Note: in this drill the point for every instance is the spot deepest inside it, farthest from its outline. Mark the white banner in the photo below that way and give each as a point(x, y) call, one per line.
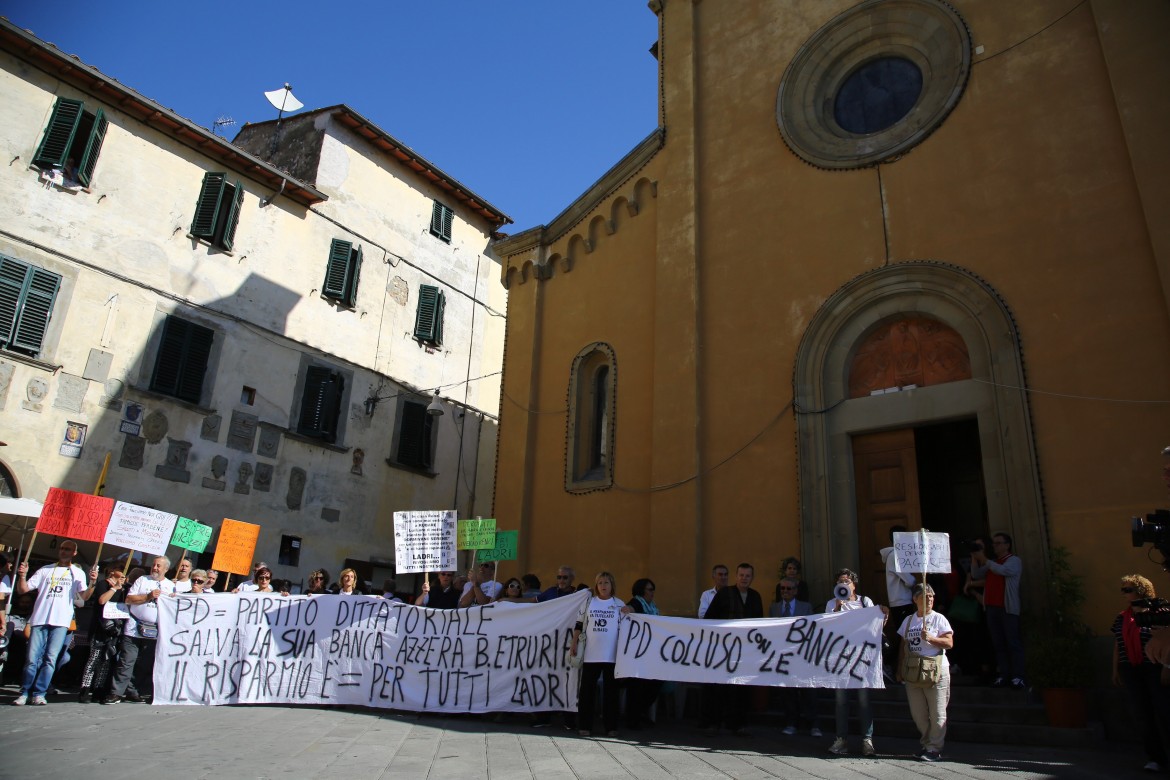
point(140, 528)
point(362, 650)
point(425, 541)
point(919, 552)
point(836, 650)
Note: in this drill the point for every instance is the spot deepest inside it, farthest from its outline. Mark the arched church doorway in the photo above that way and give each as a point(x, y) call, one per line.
point(911, 410)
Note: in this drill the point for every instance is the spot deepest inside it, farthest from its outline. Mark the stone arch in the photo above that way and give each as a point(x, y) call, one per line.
point(527, 271)
point(827, 418)
point(599, 226)
point(511, 276)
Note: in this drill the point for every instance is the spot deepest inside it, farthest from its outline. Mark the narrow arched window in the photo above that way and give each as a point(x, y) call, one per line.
point(589, 454)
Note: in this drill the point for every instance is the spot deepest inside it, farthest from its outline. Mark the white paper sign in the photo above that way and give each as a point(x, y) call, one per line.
point(361, 650)
point(140, 528)
point(919, 552)
point(835, 650)
point(116, 610)
point(425, 541)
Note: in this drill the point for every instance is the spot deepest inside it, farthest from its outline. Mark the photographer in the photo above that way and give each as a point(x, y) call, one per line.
point(1137, 674)
point(1001, 600)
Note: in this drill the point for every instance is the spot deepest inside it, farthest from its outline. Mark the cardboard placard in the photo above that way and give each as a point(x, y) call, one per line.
point(140, 528)
point(191, 535)
point(425, 541)
point(477, 534)
point(73, 515)
point(236, 546)
point(922, 552)
point(505, 549)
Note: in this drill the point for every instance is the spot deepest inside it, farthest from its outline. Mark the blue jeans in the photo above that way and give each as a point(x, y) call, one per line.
point(864, 713)
point(44, 646)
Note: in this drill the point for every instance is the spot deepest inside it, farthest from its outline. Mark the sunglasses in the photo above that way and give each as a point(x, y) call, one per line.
point(264, 577)
point(563, 577)
point(788, 589)
point(198, 582)
point(1128, 590)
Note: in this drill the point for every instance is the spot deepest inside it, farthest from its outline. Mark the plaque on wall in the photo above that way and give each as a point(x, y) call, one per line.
point(242, 431)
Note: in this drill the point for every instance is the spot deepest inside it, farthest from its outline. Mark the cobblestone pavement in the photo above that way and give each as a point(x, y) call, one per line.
point(135, 740)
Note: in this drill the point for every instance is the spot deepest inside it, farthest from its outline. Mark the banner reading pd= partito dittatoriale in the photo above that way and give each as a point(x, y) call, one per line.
point(836, 650)
point(361, 650)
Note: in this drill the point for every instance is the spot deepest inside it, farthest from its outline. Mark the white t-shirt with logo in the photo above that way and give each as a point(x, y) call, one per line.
point(490, 589)
point(911, 631)
point(148, 612)
point(601, 628)
point(56, 587)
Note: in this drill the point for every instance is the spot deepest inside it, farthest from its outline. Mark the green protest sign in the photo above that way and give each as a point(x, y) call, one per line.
point(477, 534)
point(505, 549)
point(191, 535)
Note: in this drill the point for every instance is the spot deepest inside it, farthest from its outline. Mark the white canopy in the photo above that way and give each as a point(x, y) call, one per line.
point(21, 507)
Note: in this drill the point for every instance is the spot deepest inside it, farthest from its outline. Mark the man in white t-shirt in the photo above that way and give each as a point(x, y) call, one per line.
point(481, 585)
point(719, 575)
point(183, 576)
point(59, 588)
point(138, 640)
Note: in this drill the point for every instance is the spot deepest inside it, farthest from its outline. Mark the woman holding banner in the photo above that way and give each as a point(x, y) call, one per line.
point(598, 622)
point(641, 694)
point(347, 584)
point(845, 598)
point(922, 666)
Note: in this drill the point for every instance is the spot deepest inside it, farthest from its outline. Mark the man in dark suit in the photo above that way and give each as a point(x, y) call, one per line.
point(728, 704)
point(799, 703)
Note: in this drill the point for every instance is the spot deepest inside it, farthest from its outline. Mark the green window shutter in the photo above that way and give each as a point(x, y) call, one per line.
point(441, 217)
point(414, 436)
point(425, 319)
point(93, 147)
point(439, 316)
point(207, 207)
point(183, 354)
point(338, 270)
point(12, 281)
point(33, 319)
point(321, 403)
point(228, 237)
point(354, 277)
point(58, 137)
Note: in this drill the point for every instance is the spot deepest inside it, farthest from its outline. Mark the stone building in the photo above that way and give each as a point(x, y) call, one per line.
point(253, 330)
point(891, 261)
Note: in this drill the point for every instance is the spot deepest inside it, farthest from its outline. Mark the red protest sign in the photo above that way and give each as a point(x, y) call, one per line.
point(73, 515)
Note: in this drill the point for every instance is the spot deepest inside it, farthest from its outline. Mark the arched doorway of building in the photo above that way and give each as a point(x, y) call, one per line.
point(956, 445)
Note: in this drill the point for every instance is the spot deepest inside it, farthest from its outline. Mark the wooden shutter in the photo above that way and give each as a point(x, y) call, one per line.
point(354, 277)
point(181, 364)
point(59, 133)
point(228, 237)
point(440, 313)
point(321, 403)
point(12, 279)
point(338, 270)
point(414, 436)
point(428, 311)
point(93, 147)
point(441, 217)
point(448, 215)
point(207, 207)
point(33, 318)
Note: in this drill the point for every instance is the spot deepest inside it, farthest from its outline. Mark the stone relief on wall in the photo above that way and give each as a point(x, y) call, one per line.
point(70, 392)
point(133, 450)
point(209, 430)
point(219, 466)
point(175, 467)
point(269, 440)
point(359, 457)
point(155, 427)
point(7, 371)
point(296, 488)
point(263, 481)
point(242, 431)
point(35, 391)
point(243, 475)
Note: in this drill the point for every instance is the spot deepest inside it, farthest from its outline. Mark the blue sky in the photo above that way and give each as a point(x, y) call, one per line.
point(527, 102)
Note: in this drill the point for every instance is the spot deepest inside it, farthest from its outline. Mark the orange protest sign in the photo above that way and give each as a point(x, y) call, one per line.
point(75, 515)
point(236, 546)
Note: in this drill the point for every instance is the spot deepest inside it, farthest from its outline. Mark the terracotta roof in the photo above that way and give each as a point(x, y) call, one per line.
point(71, 70)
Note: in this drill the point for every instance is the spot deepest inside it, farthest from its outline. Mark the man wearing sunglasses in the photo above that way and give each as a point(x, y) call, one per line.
point(564, 586)
point(481, 585)
point(444, 596)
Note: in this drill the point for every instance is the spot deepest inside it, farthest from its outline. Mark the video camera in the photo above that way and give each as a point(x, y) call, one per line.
point(1151, 612)
point(1153, 529)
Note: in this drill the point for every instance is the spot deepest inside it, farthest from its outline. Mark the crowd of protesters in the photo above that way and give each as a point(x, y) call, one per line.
point(121, 629)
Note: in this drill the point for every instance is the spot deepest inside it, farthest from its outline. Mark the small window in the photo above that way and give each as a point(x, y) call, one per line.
point(589, 464)
point(290, 551)
point(218, 210)
point(27, 294)
point(441, 217)
point(181, 364)
point(342, 272)
point(321, 403)
point(416, 432)
point(72, 141)
point(428, 320)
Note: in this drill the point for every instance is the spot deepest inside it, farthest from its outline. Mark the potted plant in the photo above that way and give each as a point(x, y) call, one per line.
point(1059, 646)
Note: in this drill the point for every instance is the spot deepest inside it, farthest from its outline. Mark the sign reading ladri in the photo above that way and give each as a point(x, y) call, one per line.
point(504, 549)
point(360, 650)
point(425, 541)
point(837, 650)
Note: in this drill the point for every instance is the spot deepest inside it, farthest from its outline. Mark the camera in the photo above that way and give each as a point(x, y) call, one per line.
point(974, 546)
point(841, 592)
point(1151, 612)
point(1152, 529)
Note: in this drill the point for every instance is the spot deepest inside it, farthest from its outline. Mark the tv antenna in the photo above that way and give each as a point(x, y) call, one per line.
point(223, 121)
point(282, 100)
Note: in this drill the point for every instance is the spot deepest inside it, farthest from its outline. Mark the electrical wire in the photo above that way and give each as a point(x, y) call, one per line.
point(1033, 35)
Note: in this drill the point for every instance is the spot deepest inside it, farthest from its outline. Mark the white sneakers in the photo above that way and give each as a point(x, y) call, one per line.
point(815, 732)
point(788, 731)
point(839, 748)
point(21, 700)
point(38, 700)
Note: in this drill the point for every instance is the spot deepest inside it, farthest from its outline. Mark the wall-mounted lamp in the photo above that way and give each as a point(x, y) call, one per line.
point(371, 404)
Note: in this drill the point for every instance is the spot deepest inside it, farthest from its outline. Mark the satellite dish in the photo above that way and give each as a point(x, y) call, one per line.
point(282, 99)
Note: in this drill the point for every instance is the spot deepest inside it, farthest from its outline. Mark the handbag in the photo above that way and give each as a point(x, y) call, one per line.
point(575, 661)
point(921, 671)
